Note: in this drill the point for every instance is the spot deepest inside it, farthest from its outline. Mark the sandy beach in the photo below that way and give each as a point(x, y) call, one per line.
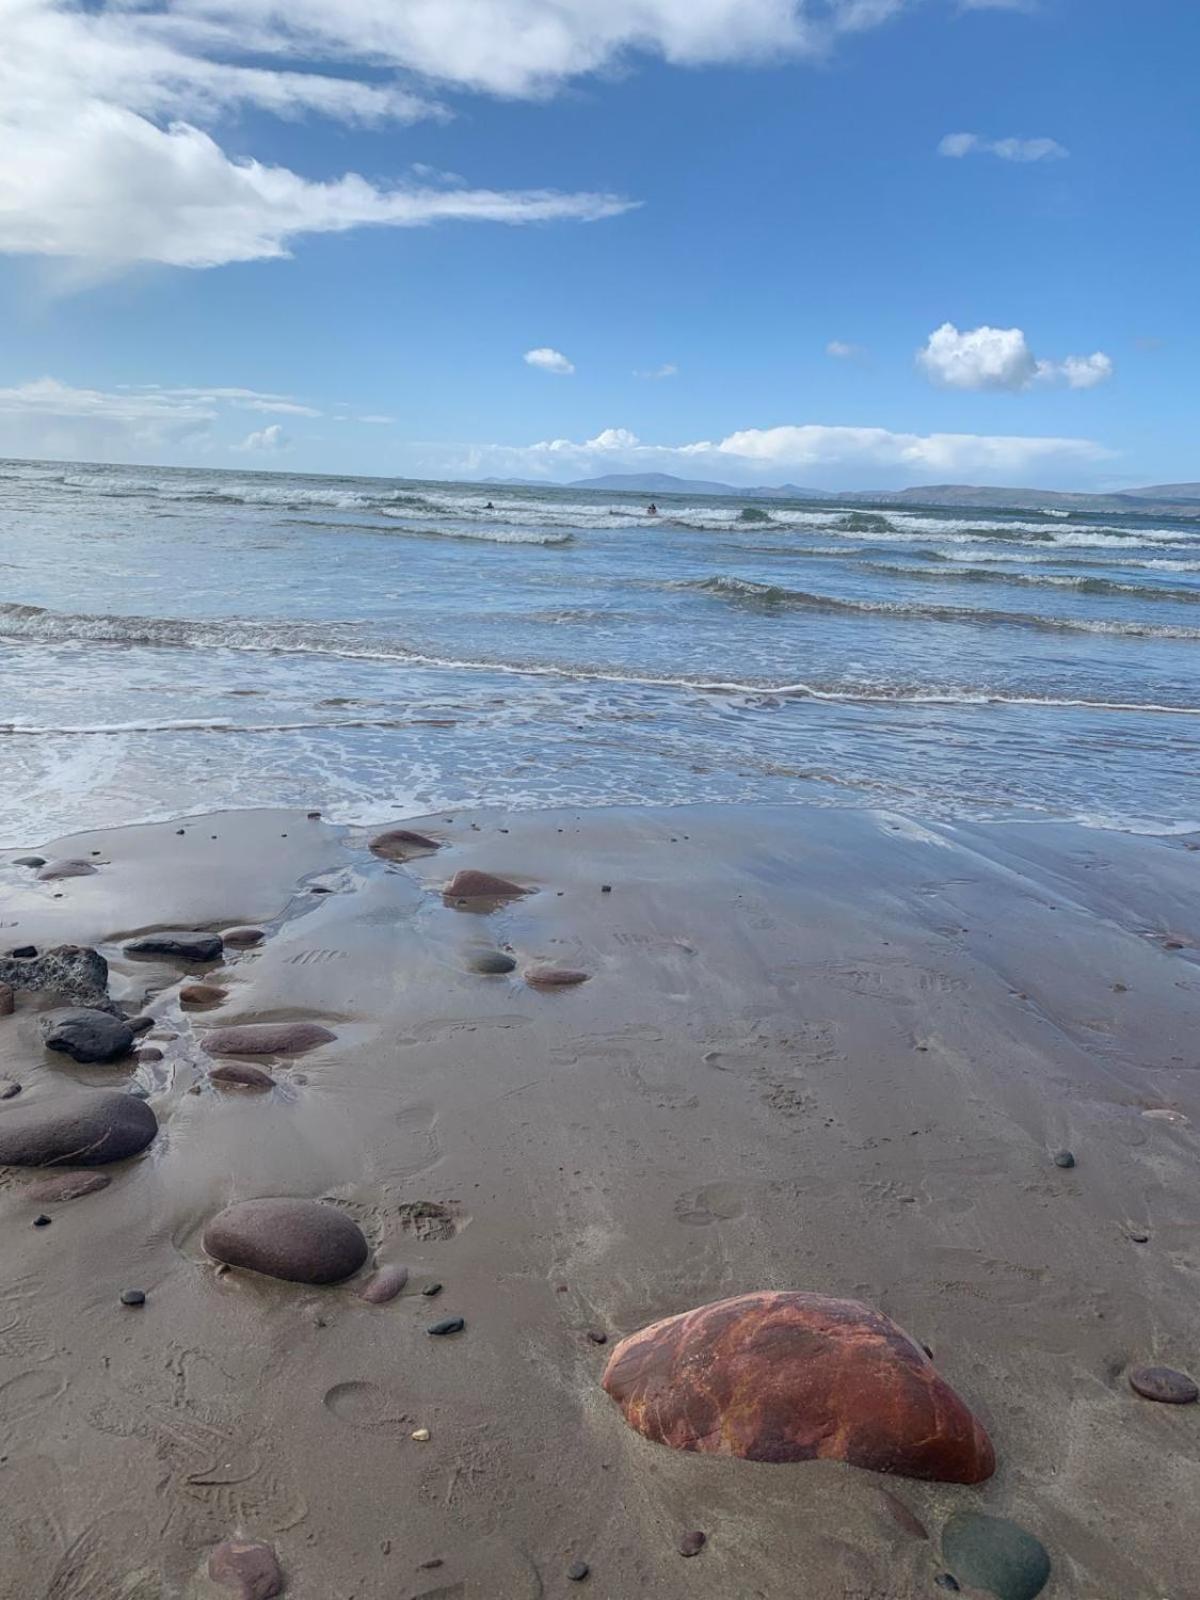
point(823, 1050)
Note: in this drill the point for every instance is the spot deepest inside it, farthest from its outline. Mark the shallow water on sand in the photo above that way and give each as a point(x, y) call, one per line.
point(199, 638)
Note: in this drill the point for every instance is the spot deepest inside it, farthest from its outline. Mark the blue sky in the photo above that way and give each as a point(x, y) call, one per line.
point(754, 229)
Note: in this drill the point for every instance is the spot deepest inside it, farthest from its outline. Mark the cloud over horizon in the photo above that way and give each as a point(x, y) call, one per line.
point(1000, 358)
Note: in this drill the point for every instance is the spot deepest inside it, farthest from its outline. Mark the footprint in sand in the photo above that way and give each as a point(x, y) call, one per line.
point(714, 1202)
point(430, 1221)
point(361, 1404)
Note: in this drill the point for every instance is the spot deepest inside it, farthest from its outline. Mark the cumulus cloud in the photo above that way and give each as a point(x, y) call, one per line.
point(267, 441)
point(841, 351)
point(547, 360)
point(751, 455)
point(668, 369)
point(1000, 358)
point(958, 145)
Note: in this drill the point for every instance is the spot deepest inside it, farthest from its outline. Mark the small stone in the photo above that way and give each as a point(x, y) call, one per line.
point(491, 962)
point(606, 888)
point(185, 944)
point(320, 888)
point(945, 1580)
point(30, 861)
point(553, 977)
point(1165, 1385)
point(141, 1024)
point(402, 844)
point(597, 1336)
point(241, 1075)
point(578, 1571)
point(431, 1289)
point(53, 870)
point(8, 1000)
point(41, 1222)
point(429, 1566)
point(24, 952)
point(1063, 1158)
point(148, 1055)
point(180, 831)
point(422, 1435)
point(450, 1325)
point(692, 1543)
point(383, 1285)
point(313, 816)
point(86, 1034)
point(67, 1186)
point(9, 1088)
point(133, 1297)
point(247, 1567)
point(198, 996)
point(995, 1555)
point(1138, 1236)
point(243, 938)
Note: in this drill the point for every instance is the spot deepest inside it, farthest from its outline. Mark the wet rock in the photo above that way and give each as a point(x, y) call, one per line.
point(54, 870)
point(184, 944)
point(553, 977)
point(9, 1088)
point(248, 1568)
point(472, 885)
point(41, 1222)
point(8, 1000)
point(402, 844)
point(383, 1285)
point(66, 1186)
point(73, 971)
point(995, 1555)
point(266, 1039)
point(692, 1543)
point(29, 861)
point(87, 1129)
point(243, 938)
point(446, 1326)
point(578, 1571)
point(491, 962)
point(947, 1581)
point(133, 1297)
point(789, 1376)
point(196, 996)
point(1064, 1158)
point(431, 1290)
point(301, 1241)
point(241, 1075)
point(86, 1034)
point(597, 1335)
point(141, 1024)
point(148, 1055)
point(1164, 1384)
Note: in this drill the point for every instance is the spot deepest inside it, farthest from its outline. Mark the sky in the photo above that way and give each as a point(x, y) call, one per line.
point(838, 243)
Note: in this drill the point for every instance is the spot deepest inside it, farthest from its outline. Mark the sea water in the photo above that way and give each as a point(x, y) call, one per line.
point(174, 641)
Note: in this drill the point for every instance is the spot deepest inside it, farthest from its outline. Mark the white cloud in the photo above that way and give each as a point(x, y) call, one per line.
point(754, 454)
point(668, 369)
point(547, 360)
point(267, 441)
point(1000, 358)
point(957, 145)
point(841, 351)
point(378, 418)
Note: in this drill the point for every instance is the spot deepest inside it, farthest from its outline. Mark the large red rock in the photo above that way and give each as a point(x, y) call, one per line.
point(787, 1376)
point(471, 884)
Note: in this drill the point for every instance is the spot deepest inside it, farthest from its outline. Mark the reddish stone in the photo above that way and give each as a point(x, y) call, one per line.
point(401, 844)
point(383, 1285)
point(66, 1186)
point(787, 1376)
point(195, 995)
point(553, 977)
point(267, 1039)
point(248, 1568)
point(243, 938)
point(1165, 1385)
point(241, 1075)
point(472, 885)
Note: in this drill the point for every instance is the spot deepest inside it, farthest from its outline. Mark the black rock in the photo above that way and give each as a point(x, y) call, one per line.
point(87, 1129)
point(85, 1034)
point(23, 952)
point(450, 1325)
point(185, 944)
point(30, 861)
point(1063, 1158)
point(491, 962)
point(945, 1581)
point(9, 1089)
point(139, 1024)
point(41, 1222)
point(578, 1571)
point(431, 1289)
point(133, 1297)
point(77, 973)
point(597, 1336)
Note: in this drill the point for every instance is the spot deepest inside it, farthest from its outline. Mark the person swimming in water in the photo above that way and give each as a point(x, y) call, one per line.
point(652, 509)
point(489, 506)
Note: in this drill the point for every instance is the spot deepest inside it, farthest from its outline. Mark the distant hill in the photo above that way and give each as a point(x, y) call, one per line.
point(665, 483)
point(1167, 491)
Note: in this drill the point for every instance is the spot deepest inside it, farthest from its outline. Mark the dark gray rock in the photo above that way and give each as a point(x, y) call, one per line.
point(73, 971)
point(491, 962)
point(86, 1129)
point(182, 943)
point(402, 844)
point(578, 1571)
point(133, 1297)
point(447, 1326)
point(85, 1034)
point(24, 950)
point(995, 1555)
point(301, 1241)
point(471, 884)
point(30, 861)
point(1064, 1158)
point(54, 870)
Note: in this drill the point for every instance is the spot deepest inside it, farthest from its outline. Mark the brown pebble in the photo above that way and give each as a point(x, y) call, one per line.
point(67, 1186)
point(597, 1336)
point(241, 1075)
point(692, 1543)
point(148, 1053)
point(243, 938)
point(195, 996)
point(383, 1285)
point(553, 977)
point(247, 1567)
point(470, 884)
point(1164, 1384)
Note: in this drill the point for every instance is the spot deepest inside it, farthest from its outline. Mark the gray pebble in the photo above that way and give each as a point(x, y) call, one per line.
point(133, 1297)
point(692, 1543)
point(41, 1222)
point(450, 1325)
point(945, 1581)
point(431, 1289)
point(1063, 1158)
point(578, 1571)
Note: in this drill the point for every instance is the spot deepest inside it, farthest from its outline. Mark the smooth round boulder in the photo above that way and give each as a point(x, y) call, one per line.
point(1164, 1384)
point(85, 1034)
point(241, 1075)
point(995, 1555)
point(786, 1376)
point(248, 1568)
point(243, 938)
point(29, 861)
point(84, 1130)
point(402, 844)
point(470, 884)
point(554, 977)
point(266, 1039)
point(301, 1241)
point(184, 944)
point(53, 870)
point(491, 963)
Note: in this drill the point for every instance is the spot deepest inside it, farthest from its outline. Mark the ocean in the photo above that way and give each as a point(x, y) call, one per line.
point(176, 641)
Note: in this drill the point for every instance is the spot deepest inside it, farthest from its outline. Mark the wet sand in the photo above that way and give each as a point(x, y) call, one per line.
point(819, 1050)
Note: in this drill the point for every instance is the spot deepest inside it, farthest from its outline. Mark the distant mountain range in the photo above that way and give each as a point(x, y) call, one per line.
point(1178, 499)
